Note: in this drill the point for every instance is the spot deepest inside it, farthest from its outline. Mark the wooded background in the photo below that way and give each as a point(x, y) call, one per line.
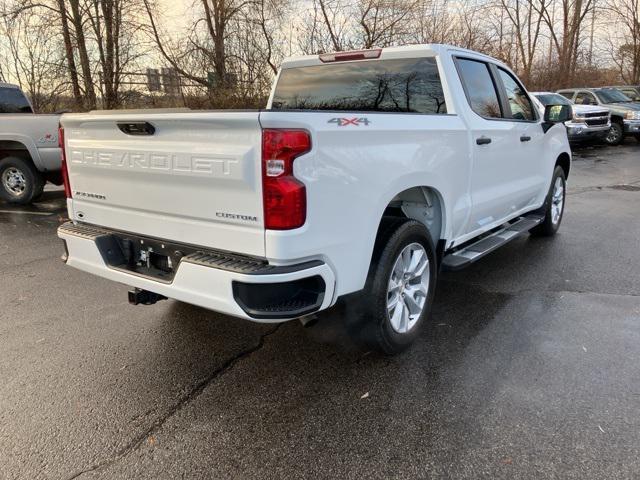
point(87, 54)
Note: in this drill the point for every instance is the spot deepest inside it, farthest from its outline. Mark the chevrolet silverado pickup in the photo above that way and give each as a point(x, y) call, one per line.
point(625, 114)
point(29, 152)
point(588, 122)
point(367, 173)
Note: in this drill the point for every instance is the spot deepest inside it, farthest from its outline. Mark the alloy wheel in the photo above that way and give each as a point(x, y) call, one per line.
point(408, 288)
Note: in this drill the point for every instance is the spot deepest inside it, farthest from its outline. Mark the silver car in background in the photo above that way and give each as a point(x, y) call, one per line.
point(589, 123)
point(29, 151)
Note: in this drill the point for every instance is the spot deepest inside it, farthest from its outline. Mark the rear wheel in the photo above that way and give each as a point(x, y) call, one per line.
point(553, 209)
point(400, 287)
point(20, 182)
point(615, 136)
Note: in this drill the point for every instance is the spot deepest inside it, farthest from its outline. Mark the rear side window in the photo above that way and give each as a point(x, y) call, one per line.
point(568, 95)
point(480, 88)
point(400, 85)
point(519, 102)
point(13, 100)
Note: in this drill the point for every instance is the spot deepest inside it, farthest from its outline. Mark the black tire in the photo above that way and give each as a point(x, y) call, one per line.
point(31, 183)
point(637, 137)
point(550, 225)
point(374, 326)
point(615, 136)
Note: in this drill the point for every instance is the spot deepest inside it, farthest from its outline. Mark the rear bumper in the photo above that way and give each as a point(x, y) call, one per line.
point(270, 294)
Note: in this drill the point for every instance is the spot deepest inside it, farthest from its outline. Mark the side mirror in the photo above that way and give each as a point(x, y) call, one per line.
point(556, 114)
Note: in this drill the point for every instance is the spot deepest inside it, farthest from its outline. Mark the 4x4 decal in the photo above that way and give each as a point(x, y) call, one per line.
point(345, 122)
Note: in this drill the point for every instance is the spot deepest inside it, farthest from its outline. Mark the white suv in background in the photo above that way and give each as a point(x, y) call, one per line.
point(588, 122)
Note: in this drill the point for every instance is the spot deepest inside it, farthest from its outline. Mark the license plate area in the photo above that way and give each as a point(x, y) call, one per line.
point(142, 256)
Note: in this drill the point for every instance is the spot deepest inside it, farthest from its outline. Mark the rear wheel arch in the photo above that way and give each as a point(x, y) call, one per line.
point(421, 203)
point(16, 148)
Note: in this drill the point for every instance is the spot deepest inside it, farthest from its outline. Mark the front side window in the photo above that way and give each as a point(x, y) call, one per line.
point(397, 85)
point(612, 96)
point(13, 100)
point(585, 98)
point(519, 102)
point(568, 95)
point(481, 91)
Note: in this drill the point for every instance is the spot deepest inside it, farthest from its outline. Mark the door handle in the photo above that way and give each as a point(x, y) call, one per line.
point(483, 141)
point(525, 138)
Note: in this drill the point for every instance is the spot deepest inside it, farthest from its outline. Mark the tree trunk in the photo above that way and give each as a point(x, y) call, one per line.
point(89, 90)
point(108, 12)
point(71, 63)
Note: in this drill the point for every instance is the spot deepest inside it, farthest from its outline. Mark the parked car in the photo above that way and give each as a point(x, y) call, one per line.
point(625, 115)
point(588, 122)
point(29, 152)
point(631, 91)
point(367, 172)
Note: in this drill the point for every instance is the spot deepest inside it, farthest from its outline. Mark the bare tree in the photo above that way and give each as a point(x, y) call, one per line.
point(114, 34)
point(384, 22)
point(565, 30)
point(32, 57)
point(527, 23)
point(68, 50)
point(77, 20)
point(625, 40)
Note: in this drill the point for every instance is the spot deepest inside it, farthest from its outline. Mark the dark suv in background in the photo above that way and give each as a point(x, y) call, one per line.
point(625, 114)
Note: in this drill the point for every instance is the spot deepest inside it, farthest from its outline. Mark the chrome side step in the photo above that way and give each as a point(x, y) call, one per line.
point(478, 249)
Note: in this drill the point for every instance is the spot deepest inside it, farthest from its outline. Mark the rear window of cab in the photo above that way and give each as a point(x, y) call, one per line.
point(395, 85)
point(13, 100)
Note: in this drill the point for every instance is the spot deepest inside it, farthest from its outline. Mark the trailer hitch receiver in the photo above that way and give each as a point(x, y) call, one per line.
point(138, 296)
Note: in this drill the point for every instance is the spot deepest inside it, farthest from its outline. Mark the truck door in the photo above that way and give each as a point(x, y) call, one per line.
point(496, 177)
point(528, 137)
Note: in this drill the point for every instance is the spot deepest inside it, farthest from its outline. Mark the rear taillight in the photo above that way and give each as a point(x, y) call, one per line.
point(65, 171)
point(284, 196)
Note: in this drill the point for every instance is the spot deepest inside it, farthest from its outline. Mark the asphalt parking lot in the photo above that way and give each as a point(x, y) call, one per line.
point(530, 367)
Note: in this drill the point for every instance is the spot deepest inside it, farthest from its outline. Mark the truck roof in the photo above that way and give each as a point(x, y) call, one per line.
point(588, 89)
point(408, 51)
point(9, 85)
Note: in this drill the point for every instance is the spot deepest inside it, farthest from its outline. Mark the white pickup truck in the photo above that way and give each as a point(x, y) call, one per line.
point(29, 152)
point(367, 173)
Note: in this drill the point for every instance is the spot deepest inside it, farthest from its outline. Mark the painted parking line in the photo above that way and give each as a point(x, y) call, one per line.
point(18, 212)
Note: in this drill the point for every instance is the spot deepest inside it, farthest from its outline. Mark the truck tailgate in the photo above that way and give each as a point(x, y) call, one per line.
point(190, 177)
